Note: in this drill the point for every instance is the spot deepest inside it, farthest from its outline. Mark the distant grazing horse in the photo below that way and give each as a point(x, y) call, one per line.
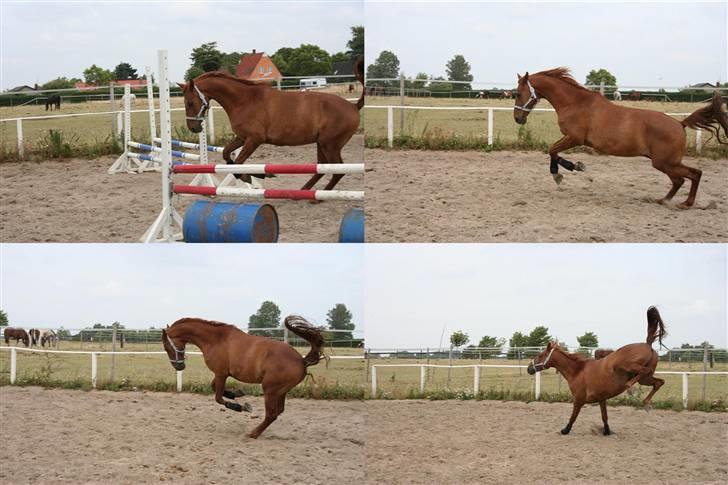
point(587, 118)
point(16, 333)
point(260, 114)
point(601, 353)
point(617, 95)
point(34, 334)
point(507, 94)
point(53, 100)
point(230, 352)
point(592, 380)
point(47, 336)
point(132, 100)
point(634, 96)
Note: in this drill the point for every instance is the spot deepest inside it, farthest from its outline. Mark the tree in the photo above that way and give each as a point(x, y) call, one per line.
point(309, 60)
point(229, 62)
point(491, 343)
point(340, 57)
point(97, 75)
point(439, 87)
point(267, 316)
point(459, 338)
point(124, 72)
point(595, 78)
point(356, 43)
point(193, 72)
point(539, 337)
point(207, 57)
point(60, 83)
point(420, 80)
point(385, 66)
point(458, 69)
point(589, 339)
point(281, 58)
point(3, 318)
point(339, 318)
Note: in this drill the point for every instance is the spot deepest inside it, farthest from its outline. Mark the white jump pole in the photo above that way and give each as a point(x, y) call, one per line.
point(422, 378)
point(685, 390)
point(538, 385)
point(150, 104)
point(21, 145)
point(94, 369)
point(13, 365)
point(476, 379)
point(374, 381)
point(490, 127)
point(125, 163)
point(179, 381)
point(390, 126)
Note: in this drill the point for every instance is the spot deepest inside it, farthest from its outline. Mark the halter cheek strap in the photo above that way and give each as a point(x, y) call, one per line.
point(177, 352)
point(203, 109)
point(533, 99)
point(542, 365)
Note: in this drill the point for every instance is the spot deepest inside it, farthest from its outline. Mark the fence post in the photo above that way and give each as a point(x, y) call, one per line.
point(179, 381)
point(698, 140)
point(538, 385)
point(113, 351)
point(93, 369)
point(21, 145)
point(285, 334)
point(705, 367)
point(150, 104)
point(422, 378)
point(114, 129)
point(390, 126)
point(374, 381)
point(685, 390)
point(476, 380)
point(401, 103)
point(13, 364)
point(490, 127)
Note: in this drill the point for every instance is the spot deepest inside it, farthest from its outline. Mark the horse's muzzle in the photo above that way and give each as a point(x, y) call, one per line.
point(530, 369)
point(520, 118)
point(180, 366)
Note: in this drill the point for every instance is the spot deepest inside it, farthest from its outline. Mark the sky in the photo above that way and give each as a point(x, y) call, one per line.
point(641, 43)
point(44, 40)
point(77, 285)
point(413, 291)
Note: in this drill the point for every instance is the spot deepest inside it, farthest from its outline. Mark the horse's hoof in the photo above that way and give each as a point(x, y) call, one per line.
point(253, 435)
point(684, 206)
point(247, 407)
point(648, 407)
point(558, 178)
point(565, 431)
point(607, 431)
point(579, 167)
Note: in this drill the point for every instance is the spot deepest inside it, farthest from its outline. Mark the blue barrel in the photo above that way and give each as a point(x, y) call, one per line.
point(217, 222)
point(352, 227)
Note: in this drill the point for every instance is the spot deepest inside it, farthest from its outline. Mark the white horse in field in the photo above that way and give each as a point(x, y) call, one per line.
point(132, 100)
point(617, 95)
point(49, 336)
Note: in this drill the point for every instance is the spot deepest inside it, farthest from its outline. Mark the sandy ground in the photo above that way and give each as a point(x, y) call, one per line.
point(78, 201)
point(425, 196)
point(493, 442)
point(134, 437)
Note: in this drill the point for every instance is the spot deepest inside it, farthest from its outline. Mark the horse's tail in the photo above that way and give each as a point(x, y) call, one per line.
point(655, 326)
point(711, 117)
point(359, 73)
point(310, 334)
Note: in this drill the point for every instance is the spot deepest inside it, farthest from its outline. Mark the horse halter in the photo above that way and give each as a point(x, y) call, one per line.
point(203, 109)
point(542, 365)
point(177, 352)
point(533, 99)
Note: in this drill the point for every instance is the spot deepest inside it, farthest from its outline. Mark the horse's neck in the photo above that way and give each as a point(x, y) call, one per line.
point(226, 92)
point(196, 333)
point(567, 367)
point(559, 93)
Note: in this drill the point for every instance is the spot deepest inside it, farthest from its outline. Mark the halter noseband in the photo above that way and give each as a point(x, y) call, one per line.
point(203, 109)
point(542, 365)
point(533, 99)
point(177, 352)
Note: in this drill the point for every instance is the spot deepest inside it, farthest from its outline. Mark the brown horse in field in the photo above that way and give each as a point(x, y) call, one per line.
point(230, 352)
point(592, 380)
point(588, 118)
point(260, 114)
point(16, 333)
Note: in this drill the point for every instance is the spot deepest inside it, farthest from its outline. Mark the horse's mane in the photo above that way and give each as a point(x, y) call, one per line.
point(574, 357)
point(200, 320)
point(562, 74)
point(230, 77)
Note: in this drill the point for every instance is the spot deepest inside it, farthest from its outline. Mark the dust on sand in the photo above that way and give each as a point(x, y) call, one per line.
point(78, 201)
point(426, 196)
point(59, 436)
point(514, 442)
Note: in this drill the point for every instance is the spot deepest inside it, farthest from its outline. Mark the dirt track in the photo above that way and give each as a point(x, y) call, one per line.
point(78, 201)
point(425, 196)
point(134, 437)
point(512, 442)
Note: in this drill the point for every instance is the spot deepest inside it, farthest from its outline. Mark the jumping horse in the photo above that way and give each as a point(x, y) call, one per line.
point(230, 352)
point(53, 100)
point(18, 334)
point(588, 118)
point(596, 380)
point(260, 114)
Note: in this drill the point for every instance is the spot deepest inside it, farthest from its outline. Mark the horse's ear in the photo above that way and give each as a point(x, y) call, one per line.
point(182, 86)
point(525, 77)
point(519, 76)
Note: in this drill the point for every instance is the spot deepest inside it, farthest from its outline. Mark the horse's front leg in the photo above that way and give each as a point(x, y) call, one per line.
point(219, 385)
point(248, 149)
point(574, 413)
point(231, 147)
point(603, 407)
point(563, 144)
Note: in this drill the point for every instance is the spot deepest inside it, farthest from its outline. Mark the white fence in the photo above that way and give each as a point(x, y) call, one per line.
point(537, 377)
point(94, 360)
point(489, 124)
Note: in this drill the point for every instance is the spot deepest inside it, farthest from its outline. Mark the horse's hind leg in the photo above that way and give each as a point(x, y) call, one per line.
point(574, 413)
point(678, 173)
point(603, 407)
point(564, 143)
point(333, 155)
point(656, 384)
point(272, 410)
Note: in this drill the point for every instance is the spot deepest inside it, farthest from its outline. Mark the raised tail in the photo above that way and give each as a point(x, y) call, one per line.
point(359, 73)
point(310, 334)
point(711, 117)
point(655, 326)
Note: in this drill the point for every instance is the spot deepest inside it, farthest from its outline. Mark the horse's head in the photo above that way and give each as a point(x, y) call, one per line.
point(175, 350)
point(526, 99)
point(543, 360)
point(196, 106)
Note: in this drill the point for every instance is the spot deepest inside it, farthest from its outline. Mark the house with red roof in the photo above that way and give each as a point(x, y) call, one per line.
point(257, 66)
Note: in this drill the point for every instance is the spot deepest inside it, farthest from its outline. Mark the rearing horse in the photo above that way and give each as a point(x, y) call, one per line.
point(260, 114)
point(596, 380)
point(230, 352)
point(588, 118)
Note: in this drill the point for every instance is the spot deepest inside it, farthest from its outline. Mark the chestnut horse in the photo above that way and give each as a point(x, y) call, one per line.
point(592, 380)
point(18, 334)
point(588, 118)
point(260, 114)
point(230, 352)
